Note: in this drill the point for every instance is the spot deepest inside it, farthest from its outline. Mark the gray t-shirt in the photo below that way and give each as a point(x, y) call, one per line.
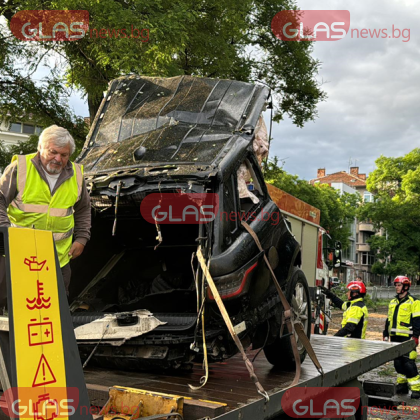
point(52, 179)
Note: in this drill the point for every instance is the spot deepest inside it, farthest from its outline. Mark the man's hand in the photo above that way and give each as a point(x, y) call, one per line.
point(76, 249)
point(416, 339)
point(385, 338)
point(325, 291)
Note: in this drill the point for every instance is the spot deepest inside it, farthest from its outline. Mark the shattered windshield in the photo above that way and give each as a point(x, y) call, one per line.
point(175, 120)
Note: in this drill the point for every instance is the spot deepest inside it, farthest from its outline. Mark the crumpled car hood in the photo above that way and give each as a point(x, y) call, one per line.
point(181, 120)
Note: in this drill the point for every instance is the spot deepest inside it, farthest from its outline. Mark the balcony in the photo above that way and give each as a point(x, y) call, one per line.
point(366, 227)
point(363, 247)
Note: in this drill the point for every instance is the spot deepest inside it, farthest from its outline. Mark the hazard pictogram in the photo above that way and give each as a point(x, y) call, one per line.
point(46, 408)
point(39, 302)
point(44, 375)
point(33, 264)
point(40, 332)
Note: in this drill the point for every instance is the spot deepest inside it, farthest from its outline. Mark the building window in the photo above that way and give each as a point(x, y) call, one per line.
point(348, 253)
point(15, 127)
point(364, 258)
point(28, 129)
point(367, 197)
point(357, 238)
point(24, 128)
point(357, 258)
point(367, 258)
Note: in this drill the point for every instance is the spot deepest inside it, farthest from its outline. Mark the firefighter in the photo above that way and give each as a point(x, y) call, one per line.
point(355, 316)
point(402, 324)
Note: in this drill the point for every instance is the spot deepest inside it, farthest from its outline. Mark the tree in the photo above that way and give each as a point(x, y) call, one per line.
point(230, 39)
point(337, 211)
point(44, 103)
point(396, 185)
point(22, 148)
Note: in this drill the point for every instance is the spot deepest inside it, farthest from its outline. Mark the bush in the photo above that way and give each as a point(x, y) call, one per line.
point(341, 292)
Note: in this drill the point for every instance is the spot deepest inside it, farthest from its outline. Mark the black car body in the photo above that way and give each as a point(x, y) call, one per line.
point(182, 135)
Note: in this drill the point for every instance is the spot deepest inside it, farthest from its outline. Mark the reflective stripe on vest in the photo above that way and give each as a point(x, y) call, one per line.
point(407, 309)
point(354, 315)
point(35, 207)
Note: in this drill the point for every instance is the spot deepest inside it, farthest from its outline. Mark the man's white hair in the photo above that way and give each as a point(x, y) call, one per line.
point(58, 136)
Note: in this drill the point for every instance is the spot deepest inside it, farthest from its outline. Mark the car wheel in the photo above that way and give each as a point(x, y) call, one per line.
point(280, 352)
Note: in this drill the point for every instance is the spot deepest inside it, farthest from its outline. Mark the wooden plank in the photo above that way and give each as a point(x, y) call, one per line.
point(194, 409)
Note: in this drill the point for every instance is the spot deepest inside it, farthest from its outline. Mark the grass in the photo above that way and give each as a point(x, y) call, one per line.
point(386, 370)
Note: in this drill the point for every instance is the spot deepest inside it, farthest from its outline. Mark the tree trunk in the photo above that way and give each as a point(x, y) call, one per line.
point(93, 103)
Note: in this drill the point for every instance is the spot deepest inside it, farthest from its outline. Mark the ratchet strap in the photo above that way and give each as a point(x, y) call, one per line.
point(229, 324)
point(288, 318)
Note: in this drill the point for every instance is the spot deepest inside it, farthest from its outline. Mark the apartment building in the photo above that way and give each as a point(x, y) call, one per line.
point(357, 257)
point(11, 132)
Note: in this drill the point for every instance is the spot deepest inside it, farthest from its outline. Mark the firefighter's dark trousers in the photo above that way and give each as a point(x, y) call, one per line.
point(407, 370)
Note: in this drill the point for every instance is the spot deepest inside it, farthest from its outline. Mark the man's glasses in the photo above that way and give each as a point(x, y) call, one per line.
point(54, 153)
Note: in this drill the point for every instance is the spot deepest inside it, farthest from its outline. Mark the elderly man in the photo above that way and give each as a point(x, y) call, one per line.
point(46, 191)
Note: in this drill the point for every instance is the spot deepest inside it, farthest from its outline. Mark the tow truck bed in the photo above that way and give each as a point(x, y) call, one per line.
point(342, 359)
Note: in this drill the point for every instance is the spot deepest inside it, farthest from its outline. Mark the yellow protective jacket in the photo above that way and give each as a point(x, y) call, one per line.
point(355, 317)
point(34, 206)
point(403, 320)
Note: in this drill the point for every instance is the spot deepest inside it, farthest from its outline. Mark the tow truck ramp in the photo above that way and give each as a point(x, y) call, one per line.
point(343, 360)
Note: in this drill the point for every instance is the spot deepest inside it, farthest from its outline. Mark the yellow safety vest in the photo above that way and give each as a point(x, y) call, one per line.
point(354, 312)
point(34, 206)
point(400, 315)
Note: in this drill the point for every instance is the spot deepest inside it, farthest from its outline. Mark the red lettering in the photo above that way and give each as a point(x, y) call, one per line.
point(393, 32)
point(364, 32)
point(132, 32)
point(144, 38)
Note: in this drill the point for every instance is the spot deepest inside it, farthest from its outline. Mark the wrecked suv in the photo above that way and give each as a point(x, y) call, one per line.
point(138, 289)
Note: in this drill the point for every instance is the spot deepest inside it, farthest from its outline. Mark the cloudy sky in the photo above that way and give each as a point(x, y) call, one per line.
point(373, 105)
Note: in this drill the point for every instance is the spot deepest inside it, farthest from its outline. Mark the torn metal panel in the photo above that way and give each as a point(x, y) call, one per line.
point(184, 119)
point(110, 327)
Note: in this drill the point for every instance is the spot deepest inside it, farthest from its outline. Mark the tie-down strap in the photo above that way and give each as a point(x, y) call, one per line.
point(229, 324)
point(288, 318)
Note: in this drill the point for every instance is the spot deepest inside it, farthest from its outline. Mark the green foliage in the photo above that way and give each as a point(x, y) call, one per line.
point(26, 147)
point(45, 101)
point(21, 148)
point(230, 39)
point(337, 212)
point(341, 292)
point(396, 185)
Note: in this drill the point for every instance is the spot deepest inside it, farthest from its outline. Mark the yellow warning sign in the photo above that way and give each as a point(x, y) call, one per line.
point(36, 312)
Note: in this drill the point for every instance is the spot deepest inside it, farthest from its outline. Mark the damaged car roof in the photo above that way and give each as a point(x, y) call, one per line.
point(146, 121)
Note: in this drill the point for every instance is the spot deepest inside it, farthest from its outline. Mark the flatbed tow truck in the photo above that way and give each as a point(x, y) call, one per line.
point(229, 393)
point(342, 359)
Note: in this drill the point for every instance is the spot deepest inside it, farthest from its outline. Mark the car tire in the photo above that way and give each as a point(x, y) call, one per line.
point(280, 352)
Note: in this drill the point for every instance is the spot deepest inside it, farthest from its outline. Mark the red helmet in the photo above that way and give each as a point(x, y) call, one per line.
point(402, 280)
point(357, 285)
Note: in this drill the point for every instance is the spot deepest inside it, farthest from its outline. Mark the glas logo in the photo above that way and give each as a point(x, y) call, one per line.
point(311, 25)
